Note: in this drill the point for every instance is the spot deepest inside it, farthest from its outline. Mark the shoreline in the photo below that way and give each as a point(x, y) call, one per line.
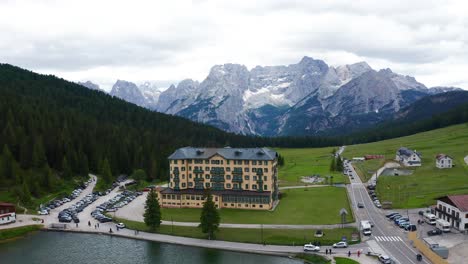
point(231, 249)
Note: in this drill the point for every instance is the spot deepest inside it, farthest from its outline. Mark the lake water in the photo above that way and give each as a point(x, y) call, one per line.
point(62, 248)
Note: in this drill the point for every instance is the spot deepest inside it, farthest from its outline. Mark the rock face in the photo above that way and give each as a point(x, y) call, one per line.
point(306, 98)
point(90, 85)
point(129, 92)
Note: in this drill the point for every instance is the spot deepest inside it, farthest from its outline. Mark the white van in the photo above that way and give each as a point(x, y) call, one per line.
point(443, 225)
point(430, 218)
point(366, 228)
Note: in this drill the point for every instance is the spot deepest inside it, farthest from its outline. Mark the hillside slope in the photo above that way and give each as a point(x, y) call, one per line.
point(427, 182)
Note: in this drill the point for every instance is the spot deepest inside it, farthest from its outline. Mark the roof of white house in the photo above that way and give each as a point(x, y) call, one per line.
point(442, 156)
point(406, 152)
point(459, 201)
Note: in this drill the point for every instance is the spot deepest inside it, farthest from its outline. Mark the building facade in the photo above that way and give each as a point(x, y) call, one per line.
point(407, 157)
point(245, 178)
point(453, 209)
point(7, 213)
point(444, 161)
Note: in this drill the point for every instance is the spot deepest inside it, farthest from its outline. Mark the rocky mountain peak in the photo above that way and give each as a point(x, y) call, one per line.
point(90, 85)
point(129, 92)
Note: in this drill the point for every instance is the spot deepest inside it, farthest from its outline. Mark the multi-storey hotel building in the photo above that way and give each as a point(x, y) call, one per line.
point(245, 178)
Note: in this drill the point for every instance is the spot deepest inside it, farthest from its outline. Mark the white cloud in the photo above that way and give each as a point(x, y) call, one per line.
point(168, 41)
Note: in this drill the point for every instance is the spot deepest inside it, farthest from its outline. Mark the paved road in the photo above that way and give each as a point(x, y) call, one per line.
point(385, 235)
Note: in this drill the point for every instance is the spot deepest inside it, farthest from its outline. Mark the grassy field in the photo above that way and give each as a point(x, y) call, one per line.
point(307, 162)
point(10, 233)
point(309, 206)
point(427, 182)
point(270, 236)
point(340, 260)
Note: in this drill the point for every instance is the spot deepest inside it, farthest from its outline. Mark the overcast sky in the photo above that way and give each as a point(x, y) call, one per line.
point(167, 41)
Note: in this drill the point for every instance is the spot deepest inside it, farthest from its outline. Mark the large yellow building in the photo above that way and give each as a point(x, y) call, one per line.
point(245, 178)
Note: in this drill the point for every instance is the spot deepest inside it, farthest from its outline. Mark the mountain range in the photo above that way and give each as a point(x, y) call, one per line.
point(306, 98)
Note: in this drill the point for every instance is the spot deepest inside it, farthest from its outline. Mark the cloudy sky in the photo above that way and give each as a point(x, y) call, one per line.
point(167, 41)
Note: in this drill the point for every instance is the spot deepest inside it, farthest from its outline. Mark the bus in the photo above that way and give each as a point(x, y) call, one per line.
point(430, 218)
point(443, 225)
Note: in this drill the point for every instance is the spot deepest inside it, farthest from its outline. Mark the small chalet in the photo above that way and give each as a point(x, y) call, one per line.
point(444, 161)
point(7, 213)
point(407, 157)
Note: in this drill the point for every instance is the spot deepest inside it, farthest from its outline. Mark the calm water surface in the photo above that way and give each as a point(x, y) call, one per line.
point(62, 248)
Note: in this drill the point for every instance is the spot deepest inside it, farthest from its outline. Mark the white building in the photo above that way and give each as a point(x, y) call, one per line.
point(453, 209)
point(7, 213)
point(444, 161)
point(407, 157)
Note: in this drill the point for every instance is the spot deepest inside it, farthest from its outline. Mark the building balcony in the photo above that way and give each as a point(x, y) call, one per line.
point(198, 171)
point(217, 179)
point(198, 179)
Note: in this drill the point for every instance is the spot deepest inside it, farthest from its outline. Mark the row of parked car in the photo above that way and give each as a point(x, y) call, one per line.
point(113, 205)
point(71, 213)
point(45, 210)
point(401, 221)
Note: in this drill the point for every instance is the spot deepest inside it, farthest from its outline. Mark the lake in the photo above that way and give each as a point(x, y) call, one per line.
point(62, 247)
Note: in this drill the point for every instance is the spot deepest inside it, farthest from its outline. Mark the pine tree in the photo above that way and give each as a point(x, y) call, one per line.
point(7, 163)
point(139, 175)
point(339, 164)
point(105, 171)
point(209, 218)
point(39, 156)
point(25, 195)
point(84, 165)
point(152, 215)
point(67, 171)
point(333, 164)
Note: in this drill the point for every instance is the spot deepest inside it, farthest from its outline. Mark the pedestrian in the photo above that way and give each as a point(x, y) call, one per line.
point(349, 253)
point(98, 225)
point(89, 223)
point(326, 251)
point(330, 251)
point(77, 225)
point(110, 230)
point(359, 253)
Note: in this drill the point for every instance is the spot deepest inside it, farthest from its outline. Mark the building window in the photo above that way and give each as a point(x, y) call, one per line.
point(265, 178)
point(265, 187)
point(254, 169)
point(261, 206)
point(189, 161)
point(254, 178)
point(254, 162)
point(183, 168)
point(254, 186)
point(183, 176)
point(246, 162)
point(246, 169)
point(228, 177)
point(247, 177)
point(207, 185)
point(253, 205)
point(246, 186)
point(190, 175)
point(246, 205)
point(265, 169)
point(232, 205)
point(225, 204)
point(183, 161)
point(190, 184)
point(207, 176)
point(216, 198)
point(183, 184)
point(228, 185)
point(228, 169)
point(227, 162)
point(207, 168)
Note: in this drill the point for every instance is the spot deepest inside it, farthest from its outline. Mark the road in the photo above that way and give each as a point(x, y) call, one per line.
point(385, 235)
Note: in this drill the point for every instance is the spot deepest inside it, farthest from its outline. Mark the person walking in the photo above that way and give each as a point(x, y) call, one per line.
point(349, 253)
point(97, 225)
point(89, 223)
point(326, 251)
point(359, 253)
point(330, 251)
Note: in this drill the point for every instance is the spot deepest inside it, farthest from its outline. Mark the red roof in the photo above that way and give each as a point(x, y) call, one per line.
point(6, 204)
point(460, 201)
point(441, 156)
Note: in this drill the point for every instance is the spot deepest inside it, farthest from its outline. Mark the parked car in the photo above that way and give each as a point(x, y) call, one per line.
point(43, 212)
point(311, 247)
point(318, 233)
point(385, 259)
point(411, 228)
point(434, 232)
point(390, 214)
point(120, 225)
point(341, 244)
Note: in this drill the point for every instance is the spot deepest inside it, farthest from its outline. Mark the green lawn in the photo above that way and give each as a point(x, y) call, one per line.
point(18, 231)
point(340, 260)
point(307, 162)
point(270, 236)
point(427, 182)
point(319, 205)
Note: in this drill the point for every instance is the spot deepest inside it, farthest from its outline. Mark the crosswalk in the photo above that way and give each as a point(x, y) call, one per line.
point(388, 238)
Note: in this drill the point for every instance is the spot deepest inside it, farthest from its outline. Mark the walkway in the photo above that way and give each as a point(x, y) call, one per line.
point(466, 160)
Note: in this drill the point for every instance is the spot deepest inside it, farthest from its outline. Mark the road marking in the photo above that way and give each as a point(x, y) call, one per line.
point(388, 239)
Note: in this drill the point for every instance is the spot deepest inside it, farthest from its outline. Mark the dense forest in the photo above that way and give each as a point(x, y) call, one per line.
point(52, 130)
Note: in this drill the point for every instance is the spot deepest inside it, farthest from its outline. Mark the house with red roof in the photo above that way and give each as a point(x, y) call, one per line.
point(7, 213)
point(453, 209)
